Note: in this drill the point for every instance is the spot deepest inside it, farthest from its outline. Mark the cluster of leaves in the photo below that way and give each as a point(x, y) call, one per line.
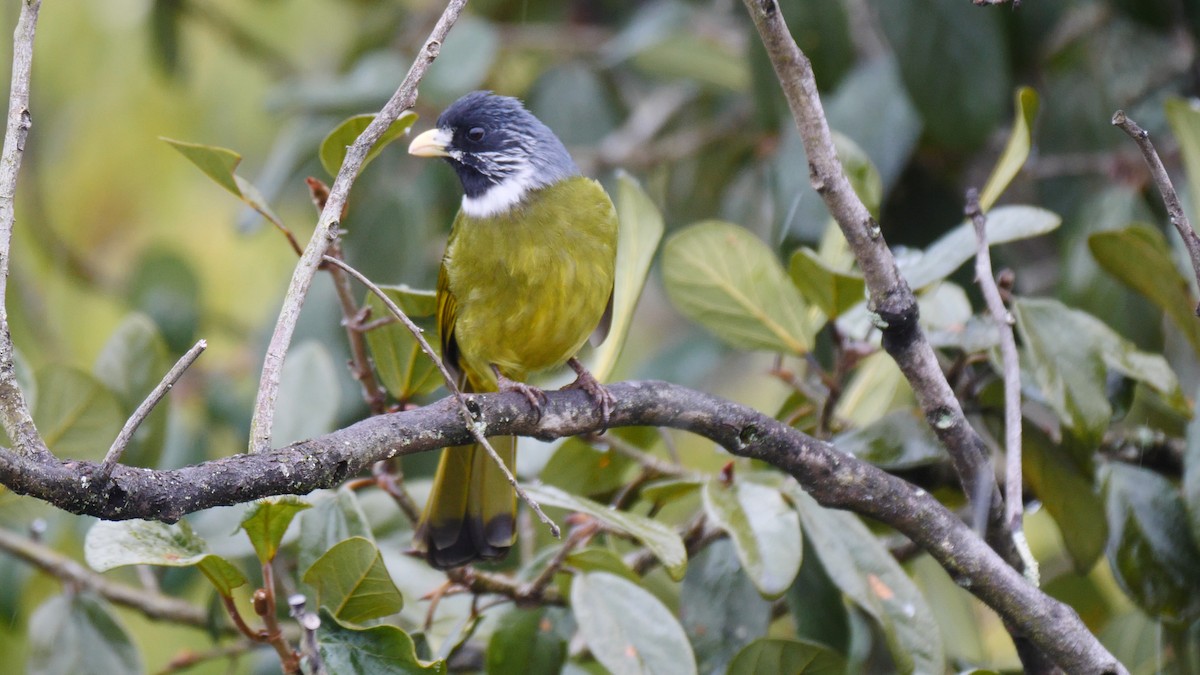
point(1109, 345)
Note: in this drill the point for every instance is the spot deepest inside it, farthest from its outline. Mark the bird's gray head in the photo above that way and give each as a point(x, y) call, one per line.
point(499, 150)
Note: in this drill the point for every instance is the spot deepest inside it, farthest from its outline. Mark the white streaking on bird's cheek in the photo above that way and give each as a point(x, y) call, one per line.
point(500, 197)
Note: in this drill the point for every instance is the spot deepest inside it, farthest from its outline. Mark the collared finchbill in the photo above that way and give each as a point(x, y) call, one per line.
point(431, 143)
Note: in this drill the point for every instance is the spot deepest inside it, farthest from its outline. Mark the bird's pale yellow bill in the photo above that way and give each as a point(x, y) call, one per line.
point(431, 143)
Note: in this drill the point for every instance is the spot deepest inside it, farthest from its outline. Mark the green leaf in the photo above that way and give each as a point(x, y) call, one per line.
point(1150, 545)
point(765, 531)
point(899, 440)
point(77, 633)
point(130, 365)
point(1068, 352)
point(769, 656)
point(627, 629)
point(687, 54)
point(267, 520)
point(165, 288)
point(579, 466)
point(76, 415)
point(663, 541)
point(466, 58)
point(640, 228)
point(725, 278)
point(832, 291)
point(1141, 258)
point(528, 641)
point(353, 583)
point(335, 516)
point(593, 559)
point(403, 368)
point(947, 254)
point(1191, 476)
point(1016, 151)
point(308, 394)
point(722, 611)
point(146, 542)
point(165, 22)
point(217, 163)
point(863, 176)
point(958, 82)
point(1184, 118)
point(1067, 492)
point(333, 148)
point(133, 360)
point(348, 650)
point(866, 572)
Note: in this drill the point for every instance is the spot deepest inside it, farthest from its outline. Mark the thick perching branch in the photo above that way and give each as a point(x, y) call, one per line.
point(833, 478)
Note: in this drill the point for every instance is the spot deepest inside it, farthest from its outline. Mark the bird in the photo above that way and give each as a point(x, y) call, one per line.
point(526, 278)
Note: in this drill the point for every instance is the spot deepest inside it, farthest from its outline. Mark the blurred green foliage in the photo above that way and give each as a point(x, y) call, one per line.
point(125, 254)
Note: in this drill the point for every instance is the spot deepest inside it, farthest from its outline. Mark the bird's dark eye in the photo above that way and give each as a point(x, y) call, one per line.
point(475, 134)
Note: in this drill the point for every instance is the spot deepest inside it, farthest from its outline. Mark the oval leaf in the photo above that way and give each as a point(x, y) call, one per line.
point(627, 629)
point(403, 368)
point(639, 229)
point(308, 394)
point(130, 365)
point(217, 163)
point(333, 148)
point(725, 278)
point(832, 291)
point(76, 633)
point(663, 541)
point(335, 516)
point(75, 414)
point(866, 572)
point(347, 650)
point(528, 641)
point(765, 531)
point(145, 542)
point(1067, 491)
point(1140, 257)
point(947, 254)
point(352, 581)
point(769, 656)
point(267, 520)
point(722, 611)
point(1016, 151)
point(900, 439)
point(1150, 545)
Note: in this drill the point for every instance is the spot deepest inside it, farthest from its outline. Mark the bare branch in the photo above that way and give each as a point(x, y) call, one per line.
point(327, 228)
point(151, 603)
point(14, 411)
point(1013, 478)
point(1170, 199)
point(143, 411)
point(891, 299)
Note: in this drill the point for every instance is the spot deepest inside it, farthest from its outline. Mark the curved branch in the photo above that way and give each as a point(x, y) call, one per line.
point(891, 299)
point(833, 478)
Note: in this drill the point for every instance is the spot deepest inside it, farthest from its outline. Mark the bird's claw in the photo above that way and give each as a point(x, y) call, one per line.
point(536, 397)
point(586, 381)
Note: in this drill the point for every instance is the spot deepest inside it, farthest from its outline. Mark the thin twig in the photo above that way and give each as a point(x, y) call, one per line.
point(143, 411)
point(150, 603)
point(534, 590)
point(1014, 506)
point(387, 482)
point(468, 417)
point(1170, 199)
point(327, 228)
point(188, 658)
point(14, 411)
